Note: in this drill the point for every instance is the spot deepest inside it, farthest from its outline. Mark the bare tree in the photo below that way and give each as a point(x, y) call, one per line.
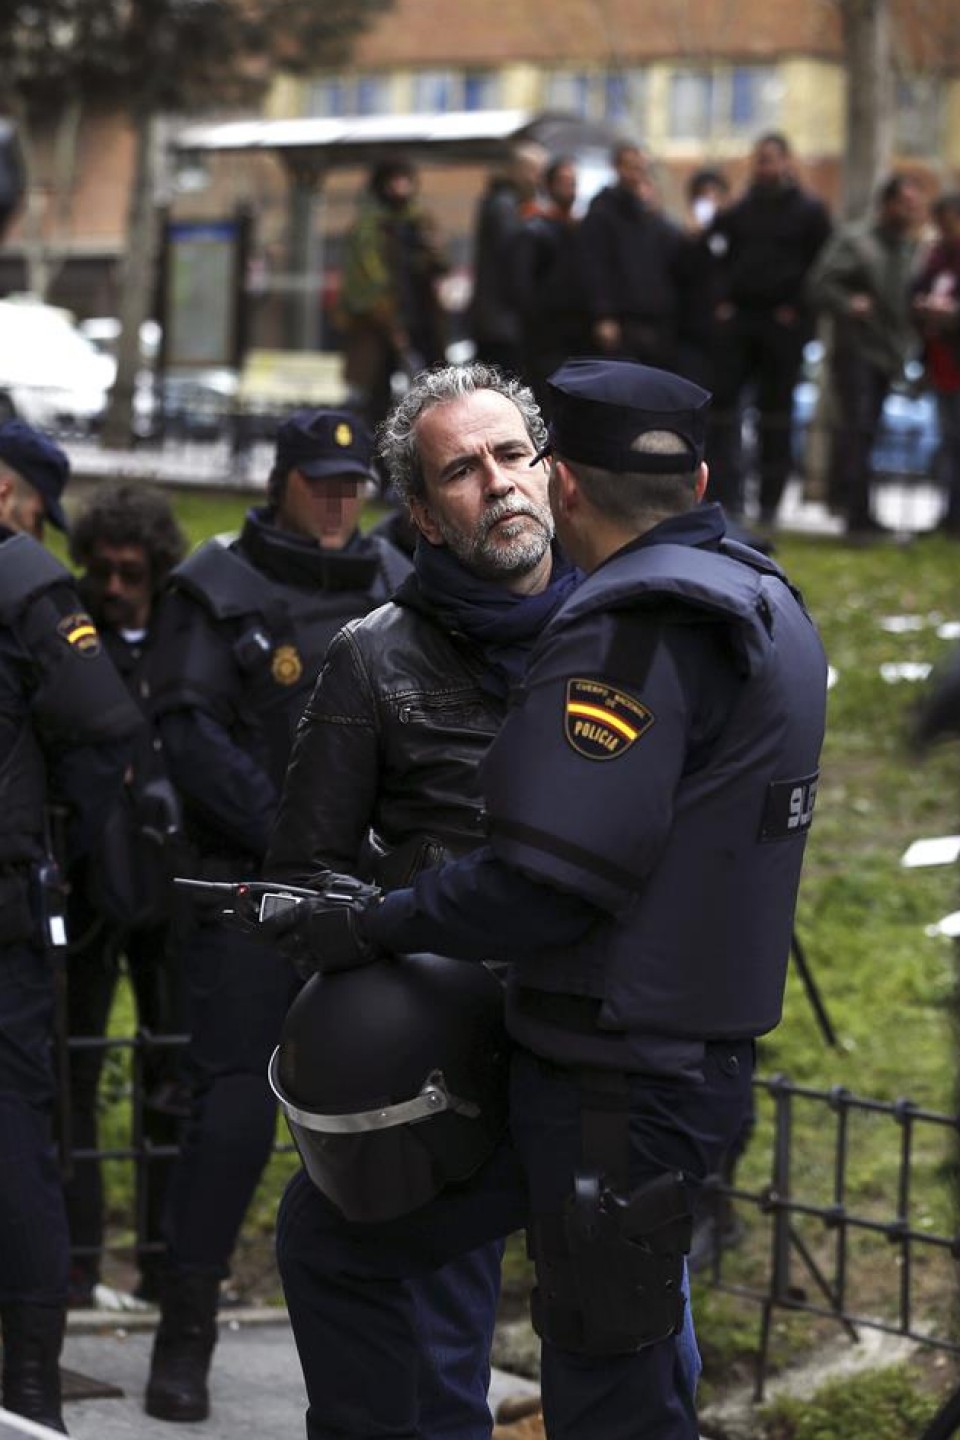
point(865, 30)
point(148, 58)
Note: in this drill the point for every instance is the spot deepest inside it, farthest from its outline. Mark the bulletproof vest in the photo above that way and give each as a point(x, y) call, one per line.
point(72, 694)
point(275, 626)
point(693, 942)
point(139, 847)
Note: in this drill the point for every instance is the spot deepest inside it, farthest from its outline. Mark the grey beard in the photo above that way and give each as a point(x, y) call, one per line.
point(493, 560)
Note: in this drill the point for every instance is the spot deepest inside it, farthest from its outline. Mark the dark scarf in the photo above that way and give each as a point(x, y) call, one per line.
point(503, 624)
point(297, 560)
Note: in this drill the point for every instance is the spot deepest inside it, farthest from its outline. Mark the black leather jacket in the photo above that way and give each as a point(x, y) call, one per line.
point(384, 775)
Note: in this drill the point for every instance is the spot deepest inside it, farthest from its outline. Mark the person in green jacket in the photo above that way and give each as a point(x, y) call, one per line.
point(862, 280)
point(388, 299)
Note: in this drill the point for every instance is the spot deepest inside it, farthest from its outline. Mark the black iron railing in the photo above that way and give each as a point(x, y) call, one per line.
point(828, 1260)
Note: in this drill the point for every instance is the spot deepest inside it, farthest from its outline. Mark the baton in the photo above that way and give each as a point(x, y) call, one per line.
point(812, 992)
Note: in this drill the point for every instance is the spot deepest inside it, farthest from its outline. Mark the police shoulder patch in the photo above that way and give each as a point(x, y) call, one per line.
point(80, 633)
point(601, 722)
point(286, 667)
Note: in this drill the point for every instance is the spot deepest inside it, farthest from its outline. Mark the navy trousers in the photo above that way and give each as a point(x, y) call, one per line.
point(237, 992)
point(351, 1289)
point(34, 1245)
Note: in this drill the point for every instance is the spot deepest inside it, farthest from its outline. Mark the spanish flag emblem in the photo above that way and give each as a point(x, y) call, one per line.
point(80, 633)
point(601, 722)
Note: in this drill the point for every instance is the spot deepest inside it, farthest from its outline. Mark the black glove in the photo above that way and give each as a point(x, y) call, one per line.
point(325, 933)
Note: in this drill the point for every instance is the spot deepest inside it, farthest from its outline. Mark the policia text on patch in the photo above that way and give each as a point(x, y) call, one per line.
point(601, 722)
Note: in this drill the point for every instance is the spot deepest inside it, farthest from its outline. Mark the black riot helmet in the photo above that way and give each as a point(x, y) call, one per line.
point(393, 1080)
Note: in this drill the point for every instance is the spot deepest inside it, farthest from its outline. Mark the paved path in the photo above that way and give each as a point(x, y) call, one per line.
point(256, 1387)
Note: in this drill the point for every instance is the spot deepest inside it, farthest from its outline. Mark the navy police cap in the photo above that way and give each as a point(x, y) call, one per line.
point(39, 462)
point(319, 443)
point(598, 409)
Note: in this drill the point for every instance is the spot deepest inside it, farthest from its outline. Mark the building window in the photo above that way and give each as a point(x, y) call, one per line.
point(625, 96)
point(373, 95)
point(568, 90)
point(481, 90)
point(603, 95)
point(918, 115)
point(328, 99)
point(709, 104)
point(690, 104)
point(433, 91)
point(333, 97)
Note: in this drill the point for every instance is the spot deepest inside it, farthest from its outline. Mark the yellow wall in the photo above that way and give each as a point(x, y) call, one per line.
point(812, 107)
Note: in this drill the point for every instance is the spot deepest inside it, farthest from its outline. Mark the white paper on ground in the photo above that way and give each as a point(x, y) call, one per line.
point(902, 624)
point(910, 670)
point(935, 850)
point(949, 926)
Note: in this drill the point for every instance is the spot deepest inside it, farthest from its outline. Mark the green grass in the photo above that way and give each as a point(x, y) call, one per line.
point(886, 1405)
point(888, 986)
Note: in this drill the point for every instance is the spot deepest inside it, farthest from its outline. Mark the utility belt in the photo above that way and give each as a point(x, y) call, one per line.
point(32, 903)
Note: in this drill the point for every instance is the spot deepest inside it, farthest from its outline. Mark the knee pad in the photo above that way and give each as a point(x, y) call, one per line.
point(610, 1267)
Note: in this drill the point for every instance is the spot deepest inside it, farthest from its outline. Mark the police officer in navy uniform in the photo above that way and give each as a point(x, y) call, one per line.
point(647, 805)
point(243, 633)
point(66, 722)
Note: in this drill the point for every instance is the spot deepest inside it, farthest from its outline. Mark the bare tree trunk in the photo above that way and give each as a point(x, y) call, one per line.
point(34, 209)
point(47, 206)
point(866, 27)
point(137, 282)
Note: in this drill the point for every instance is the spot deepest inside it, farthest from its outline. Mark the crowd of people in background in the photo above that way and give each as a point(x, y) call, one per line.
point(727, 295)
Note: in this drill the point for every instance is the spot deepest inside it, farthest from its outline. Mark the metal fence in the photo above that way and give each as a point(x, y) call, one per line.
point(811, 1263)
point(815, 1239)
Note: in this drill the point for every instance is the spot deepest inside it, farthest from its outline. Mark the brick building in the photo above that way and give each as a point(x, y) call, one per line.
point(695, 80)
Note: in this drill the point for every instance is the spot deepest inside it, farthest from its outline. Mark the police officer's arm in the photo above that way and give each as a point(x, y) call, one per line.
point(220, 781)
point(580, 793)
point(195, 705)
point(331, 784)
point(477, 908)
point(82, 712)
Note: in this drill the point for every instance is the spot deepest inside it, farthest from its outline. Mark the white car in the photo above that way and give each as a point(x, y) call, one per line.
point(51, 376)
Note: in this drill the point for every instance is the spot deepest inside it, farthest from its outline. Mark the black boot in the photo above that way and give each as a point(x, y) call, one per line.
point(32, 1338)
point(182, 1350)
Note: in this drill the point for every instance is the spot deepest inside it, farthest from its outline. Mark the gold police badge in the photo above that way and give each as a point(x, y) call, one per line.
point(601, 722)
point(80, 633)
point(286, 667)
point(343, 434)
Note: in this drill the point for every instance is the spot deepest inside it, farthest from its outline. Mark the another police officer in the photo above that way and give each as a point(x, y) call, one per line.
point(648, 800)
point(126, 540)
point(244, 632)
point(65, 723)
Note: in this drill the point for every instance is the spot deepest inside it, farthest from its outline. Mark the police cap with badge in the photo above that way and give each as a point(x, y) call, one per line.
point(322, 444)
point(38, 461)
point(598, 408)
